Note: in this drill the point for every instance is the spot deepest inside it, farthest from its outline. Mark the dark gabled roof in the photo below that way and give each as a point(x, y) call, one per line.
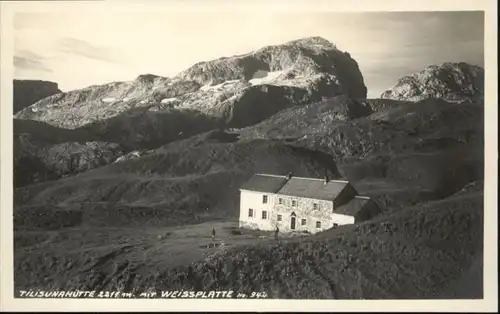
point(264, 183)
point(313, 188)
point(352, 207)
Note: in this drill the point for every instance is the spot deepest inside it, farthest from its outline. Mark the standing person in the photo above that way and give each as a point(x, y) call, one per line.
point(213, 234)
point(276, 231)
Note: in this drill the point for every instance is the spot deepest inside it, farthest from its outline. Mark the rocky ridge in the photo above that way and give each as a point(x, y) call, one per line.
point(37, 161)
point(28, 92)
point(451, 81)
point(239, 90)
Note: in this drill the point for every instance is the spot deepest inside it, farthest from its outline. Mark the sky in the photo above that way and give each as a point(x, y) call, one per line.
point(78, 49)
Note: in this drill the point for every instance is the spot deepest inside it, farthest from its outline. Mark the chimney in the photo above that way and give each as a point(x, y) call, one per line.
point(289, 176)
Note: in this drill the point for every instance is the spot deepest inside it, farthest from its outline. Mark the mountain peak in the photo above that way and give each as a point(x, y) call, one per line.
point(451, 81)
point(293, 62)
point(238, 90)
point(312, 41)
point(147, 78)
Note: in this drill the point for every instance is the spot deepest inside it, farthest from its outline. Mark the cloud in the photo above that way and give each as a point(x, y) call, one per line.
point(27, 60)
point(82, 48)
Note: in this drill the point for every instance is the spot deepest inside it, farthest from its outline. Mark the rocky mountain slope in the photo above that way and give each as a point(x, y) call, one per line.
point(37, 161)
point(236, 91)
point(451, 81)
point(41, 148)
point(406, 154)
point(400, 156)
point(151, 110)
point(43, 152)
point(28, 92)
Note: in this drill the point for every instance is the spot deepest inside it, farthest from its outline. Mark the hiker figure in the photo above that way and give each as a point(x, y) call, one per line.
point(276, 231)
point(213, 234)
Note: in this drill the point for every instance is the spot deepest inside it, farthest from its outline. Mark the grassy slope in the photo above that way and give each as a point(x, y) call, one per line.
point(135, 191)
point(415, 253)
point(412, 256)
point(399, 157)
point(404, 156)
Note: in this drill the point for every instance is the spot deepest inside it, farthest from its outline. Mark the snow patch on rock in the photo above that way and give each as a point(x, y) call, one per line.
point(169, 100)
point(132, 155)
point(265, 77)
point(108, 99)
point(226, 84)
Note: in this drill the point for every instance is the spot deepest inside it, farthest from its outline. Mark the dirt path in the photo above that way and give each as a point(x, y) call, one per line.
point(148, 249)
